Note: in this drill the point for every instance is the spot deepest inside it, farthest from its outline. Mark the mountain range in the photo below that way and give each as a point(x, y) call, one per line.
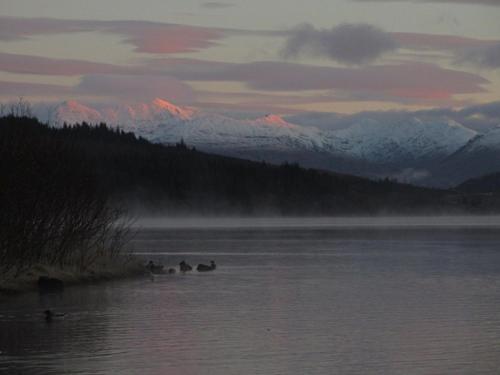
point(429, 150)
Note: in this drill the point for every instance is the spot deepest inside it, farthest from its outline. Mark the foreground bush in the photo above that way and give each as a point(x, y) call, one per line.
point(53, 208)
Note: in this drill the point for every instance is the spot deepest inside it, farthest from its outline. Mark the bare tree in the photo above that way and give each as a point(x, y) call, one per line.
point(53, 209)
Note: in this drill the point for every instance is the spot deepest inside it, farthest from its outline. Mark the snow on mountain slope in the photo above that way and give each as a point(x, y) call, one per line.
point(386, 142)
point(480, 156)
point(71, 112)
point(488, 141)
point(405, 142)
point(161, 121)
point(212, 131)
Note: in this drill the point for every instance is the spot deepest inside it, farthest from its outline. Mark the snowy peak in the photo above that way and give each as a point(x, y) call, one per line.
point(132, 116)
point(388, 142)
point(71, 112)
point(489, 141)
point(163, 105)
point(394, 141)
point(273, 120)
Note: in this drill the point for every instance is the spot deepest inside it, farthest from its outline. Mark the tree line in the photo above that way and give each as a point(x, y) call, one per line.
point(62, 190)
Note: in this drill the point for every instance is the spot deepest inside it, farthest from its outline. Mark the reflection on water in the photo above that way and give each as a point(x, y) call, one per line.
point(287, 300)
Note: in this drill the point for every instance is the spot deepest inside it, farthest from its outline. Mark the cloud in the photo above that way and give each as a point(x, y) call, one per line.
point(438, 42)
point(482, 53)
point(27, 64)
point(216, 5)
point(484, 56)
point(347, 43)
point(481, 118)
point(408, 80)
point(135, 88)
point(148, 37)
point(13, 90)
point(401, 83)
point(165, 38)
point(470, 2)
point(360, 44)
point(108, 87)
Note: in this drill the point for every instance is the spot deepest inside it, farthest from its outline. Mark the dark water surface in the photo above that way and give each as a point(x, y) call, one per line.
point(419, 297)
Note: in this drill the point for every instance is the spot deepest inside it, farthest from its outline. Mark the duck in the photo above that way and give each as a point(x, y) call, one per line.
point(205, 268)
point(155, 269)
point(50, 315)
point(184, 267)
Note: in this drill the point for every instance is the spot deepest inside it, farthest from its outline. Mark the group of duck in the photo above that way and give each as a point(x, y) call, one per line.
point(155, 269)
point(159, 269)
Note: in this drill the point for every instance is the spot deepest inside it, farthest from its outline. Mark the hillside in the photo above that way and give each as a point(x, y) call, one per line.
point(177, 179)
point(478, 157)
point(489, 183)
point(403, 146)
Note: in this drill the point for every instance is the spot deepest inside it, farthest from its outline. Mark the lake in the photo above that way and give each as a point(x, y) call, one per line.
point(289, 296)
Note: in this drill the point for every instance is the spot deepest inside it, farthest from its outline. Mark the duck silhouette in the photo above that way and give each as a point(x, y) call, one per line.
point(205, 268)
point(184, 267)
point(50, 315)
point(155, 269)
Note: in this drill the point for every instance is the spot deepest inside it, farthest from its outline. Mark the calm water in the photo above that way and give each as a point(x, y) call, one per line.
point(289, 297)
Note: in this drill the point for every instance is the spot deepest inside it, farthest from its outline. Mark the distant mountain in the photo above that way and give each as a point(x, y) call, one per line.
point(489, 183)
point(478, 157)
point(416, 149)
point(177, 179)
point(411, 142)
point(72, 112)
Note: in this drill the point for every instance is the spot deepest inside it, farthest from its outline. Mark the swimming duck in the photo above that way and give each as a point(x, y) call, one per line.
point(205, 268)
point(156, 269)
point(50, 315)
point(184, 267)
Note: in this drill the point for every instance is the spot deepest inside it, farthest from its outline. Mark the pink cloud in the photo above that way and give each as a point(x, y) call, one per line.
point(149, 37)
point(167, 38)
point(419, 41)
point(26, 64)
point(13, 90)
point(404, 80)
point(14, 28)
point(104, 88)
point(136, 87)
point(165, 77)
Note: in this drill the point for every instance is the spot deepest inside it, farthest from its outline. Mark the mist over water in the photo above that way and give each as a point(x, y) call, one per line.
point(290, 296)
point(349, 222)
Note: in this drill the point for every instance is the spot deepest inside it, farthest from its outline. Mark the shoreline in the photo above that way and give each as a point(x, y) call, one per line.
point(27, 282)
point(334, 222)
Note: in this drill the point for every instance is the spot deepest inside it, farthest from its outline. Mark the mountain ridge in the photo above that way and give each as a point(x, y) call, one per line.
point(405, 148)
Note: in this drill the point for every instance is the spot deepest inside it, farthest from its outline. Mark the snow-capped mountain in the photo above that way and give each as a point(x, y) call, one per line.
point(412, 141)
point(161, 121)
point(366, 146)
point(71, 112)
point(480, 156)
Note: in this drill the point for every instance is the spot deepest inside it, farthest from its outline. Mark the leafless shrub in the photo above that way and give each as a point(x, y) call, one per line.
point(53, 209)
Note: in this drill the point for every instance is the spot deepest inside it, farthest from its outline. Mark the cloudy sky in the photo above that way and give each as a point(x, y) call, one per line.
point(273, 55)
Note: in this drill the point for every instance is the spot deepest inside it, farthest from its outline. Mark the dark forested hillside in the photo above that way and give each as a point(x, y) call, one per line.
point(489, 183)
point(178, 179)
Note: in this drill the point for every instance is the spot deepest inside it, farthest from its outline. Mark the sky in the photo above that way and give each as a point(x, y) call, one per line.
point(283, 56)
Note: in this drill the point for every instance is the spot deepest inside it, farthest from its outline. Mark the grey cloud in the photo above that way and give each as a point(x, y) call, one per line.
point(145, 36)
point(483, 57)
point(480, 117)
point(347, 43)
point(216, 5)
